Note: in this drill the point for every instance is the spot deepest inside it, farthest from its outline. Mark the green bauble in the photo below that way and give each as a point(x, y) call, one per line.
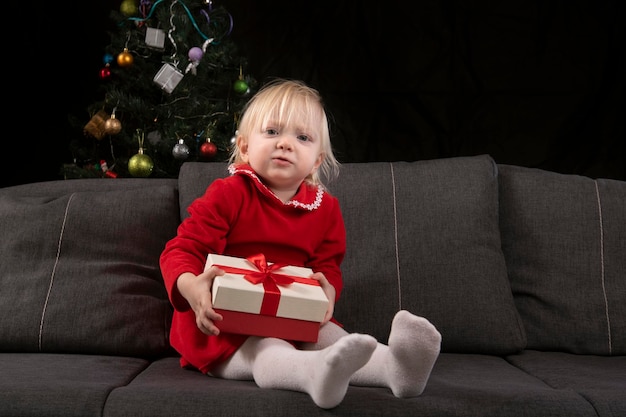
point(140, 165)
point(240, 86)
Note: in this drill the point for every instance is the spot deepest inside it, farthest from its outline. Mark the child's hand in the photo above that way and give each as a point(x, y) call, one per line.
point(197, 292)
point(329, 290)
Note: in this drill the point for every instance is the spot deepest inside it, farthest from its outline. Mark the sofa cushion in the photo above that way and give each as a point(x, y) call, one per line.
point(421, 236)
point(601, 380)
point(80, 269)
point(68, 385)
point(193, 180)
point(565, 245)
point(459, 385)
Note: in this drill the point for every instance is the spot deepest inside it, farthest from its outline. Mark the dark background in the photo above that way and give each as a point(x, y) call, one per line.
point(532, 83)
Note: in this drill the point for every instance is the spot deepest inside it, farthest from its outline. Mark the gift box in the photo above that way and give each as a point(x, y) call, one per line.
point(95, 126)
point(168, 77)
point(259, 298)
point(155, 38)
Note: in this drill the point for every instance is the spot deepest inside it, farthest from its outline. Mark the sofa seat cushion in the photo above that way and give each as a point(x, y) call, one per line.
point(599, 379)
point(460, 384)
point(80, 269)
point(166, 389)
point(565, 247)
point(40, 384)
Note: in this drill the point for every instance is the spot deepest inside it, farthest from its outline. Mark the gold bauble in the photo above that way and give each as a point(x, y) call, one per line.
point(112, 126)
point(140, 165)
point(125, 58)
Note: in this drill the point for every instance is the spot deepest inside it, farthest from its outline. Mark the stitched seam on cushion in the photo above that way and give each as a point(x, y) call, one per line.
point(602, 277)
point(395, 234)
point(54, 268)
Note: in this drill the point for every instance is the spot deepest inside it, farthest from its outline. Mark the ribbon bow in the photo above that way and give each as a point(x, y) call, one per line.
point(270, 280)
point(266, 272)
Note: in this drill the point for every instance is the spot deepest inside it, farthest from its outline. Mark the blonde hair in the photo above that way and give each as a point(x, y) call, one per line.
point(286, 101)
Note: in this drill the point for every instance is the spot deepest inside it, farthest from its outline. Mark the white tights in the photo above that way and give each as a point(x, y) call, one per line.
point(326, 368)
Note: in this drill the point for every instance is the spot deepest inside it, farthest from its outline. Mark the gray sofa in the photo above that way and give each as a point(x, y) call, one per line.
point(523, 271)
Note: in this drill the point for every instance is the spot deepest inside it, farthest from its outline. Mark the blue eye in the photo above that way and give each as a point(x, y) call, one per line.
point(303, 138)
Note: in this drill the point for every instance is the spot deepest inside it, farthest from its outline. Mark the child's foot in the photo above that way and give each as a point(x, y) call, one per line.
point(414, 345)
point(336, 364)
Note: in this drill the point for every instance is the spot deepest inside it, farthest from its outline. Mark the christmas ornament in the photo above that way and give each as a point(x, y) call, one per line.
point(125, 58)
point(129, 8)
point(105, 73)
point(95, 126)
point(180, 151)
point(241, 86)
point(155, 38)
point(140, 164)
point(195, 54)
point(168, 77)
point(208, 149)
point(154, 137)
point(107, 59)
point(233, 139)
point(105, 169)
point(112, 126)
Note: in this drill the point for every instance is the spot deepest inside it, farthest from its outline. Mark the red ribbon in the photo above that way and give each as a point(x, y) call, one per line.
point(265, 274)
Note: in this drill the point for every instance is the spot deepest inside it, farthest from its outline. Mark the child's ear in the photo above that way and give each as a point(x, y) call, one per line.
point(242, 144)
point(318, 162)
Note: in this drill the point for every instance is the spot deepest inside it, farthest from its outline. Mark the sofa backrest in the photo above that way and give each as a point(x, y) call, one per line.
point(421, 236)
point(498, 257)
point(564, 240)
point(80, 266)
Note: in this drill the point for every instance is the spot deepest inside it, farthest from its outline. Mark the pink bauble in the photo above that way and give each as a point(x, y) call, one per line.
point(195, 54)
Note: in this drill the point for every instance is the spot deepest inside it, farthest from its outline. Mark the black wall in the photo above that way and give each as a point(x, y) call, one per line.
point(532, 83)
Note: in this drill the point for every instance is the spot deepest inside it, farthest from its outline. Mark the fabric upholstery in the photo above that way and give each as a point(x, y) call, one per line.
point(563, 238)
point(460, 385)
point(193, 180)
point(84, 317)
point(80, 269)
point(61, 385)
point(599, 379)
point(429, 242)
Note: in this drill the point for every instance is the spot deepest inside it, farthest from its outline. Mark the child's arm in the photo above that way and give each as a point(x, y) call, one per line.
point(196, 289)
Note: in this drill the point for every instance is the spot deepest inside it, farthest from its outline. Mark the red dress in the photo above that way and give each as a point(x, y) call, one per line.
point(239, 216)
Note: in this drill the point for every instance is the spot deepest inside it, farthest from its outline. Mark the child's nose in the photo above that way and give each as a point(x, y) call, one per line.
point(284, 142)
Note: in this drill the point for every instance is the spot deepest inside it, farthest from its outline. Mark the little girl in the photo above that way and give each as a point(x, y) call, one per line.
point(274, 203)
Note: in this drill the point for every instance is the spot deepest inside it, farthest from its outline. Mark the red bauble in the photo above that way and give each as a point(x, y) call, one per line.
point(105, 73)
point(208, 150)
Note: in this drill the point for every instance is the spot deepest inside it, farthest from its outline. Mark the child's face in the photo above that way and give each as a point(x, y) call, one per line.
point(282, 155)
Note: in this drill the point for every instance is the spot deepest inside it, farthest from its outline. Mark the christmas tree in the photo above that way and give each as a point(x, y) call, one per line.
point(172, 87)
